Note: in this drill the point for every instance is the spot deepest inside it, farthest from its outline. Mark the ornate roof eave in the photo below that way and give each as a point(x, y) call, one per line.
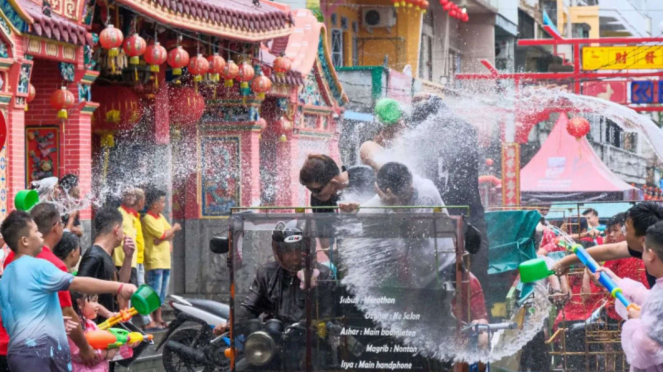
point(214, 25)
point(328, 71)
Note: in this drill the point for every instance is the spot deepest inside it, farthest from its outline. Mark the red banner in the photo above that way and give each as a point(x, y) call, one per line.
point(510, 174)
point(42, 153)
point(613, 91)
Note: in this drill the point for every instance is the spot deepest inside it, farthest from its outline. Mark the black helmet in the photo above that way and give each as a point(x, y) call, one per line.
point(288, 238)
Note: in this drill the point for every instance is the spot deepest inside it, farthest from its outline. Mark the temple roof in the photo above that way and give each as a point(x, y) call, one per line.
point(54, 27)
point(230, 19)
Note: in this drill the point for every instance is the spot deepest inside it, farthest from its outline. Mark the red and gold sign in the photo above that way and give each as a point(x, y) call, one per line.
point(198, 66)
point(135, 46)
point(216, 66)
point(61, 100)
point(230, 72)
point(177, 59)
point(111, 38)
point(510, 174)
point(120, 108)
point(155, 55)
point(578, 127)
point(186, 105)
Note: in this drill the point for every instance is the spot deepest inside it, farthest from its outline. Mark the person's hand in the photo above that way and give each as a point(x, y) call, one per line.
point(633, 312)
point(129, 247)
point(560, 268)
point(69, 324)
point(88, 356)
point(177, 227)
point(77, 230)
point(220, 329)
point(607, 271)
point(348, 207)
point(593, 233)
point(127, 290)
point(110, 354)
point(559, 298)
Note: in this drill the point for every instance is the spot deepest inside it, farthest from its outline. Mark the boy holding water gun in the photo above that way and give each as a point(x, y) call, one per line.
point(642, 333)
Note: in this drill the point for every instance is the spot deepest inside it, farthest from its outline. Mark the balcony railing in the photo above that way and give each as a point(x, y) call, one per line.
point(630, 167)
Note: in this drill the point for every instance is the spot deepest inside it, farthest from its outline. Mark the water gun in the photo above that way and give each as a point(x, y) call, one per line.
point(145, 301)
point(604, 279)
point(113, 338)
point(121, 317)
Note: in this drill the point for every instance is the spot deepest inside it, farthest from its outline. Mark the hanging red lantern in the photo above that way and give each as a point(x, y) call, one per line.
point(261, 85)
point(120, 108)
point(216, 66)
point(135, 46)
point(447, 6)
point(453, 14)
point(198, 66)
point(111, 38)
point(281, 66)
point(177, 59)
point(230, 72)
point(155, 55)
point(425, 5)
point(465, 17)
point(444, 2)
point(187, 106)
point(61, 100)
point(578, 127)
point(489, 162)
point(245, 74)
point(32, 92)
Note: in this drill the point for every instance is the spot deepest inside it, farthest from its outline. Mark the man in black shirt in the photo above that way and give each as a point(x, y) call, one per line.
point(97, 262)
point(640, 217)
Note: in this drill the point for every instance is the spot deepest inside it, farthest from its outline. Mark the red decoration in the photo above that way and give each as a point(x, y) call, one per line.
point(230, 72)
point(453, 14)
point(155, 55)
point(578, 127)
point(111, 38)
point(425, 5)
point(61, 100)
point(245, 74)
point(444, 2)
point(135, 46)
point(282, 65)
point(489, 162)
point(465, 17)
point(216, 66)
point(32, 92)
point(447, 6)
point(186, 106)
point(178, 58)
point(120, 108)
point(261, 85)
point(490, 180)
point(198, 66)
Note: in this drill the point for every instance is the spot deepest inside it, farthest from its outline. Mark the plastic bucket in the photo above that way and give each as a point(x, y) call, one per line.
point(26, 199)
point(145, 300)
point(533, 270)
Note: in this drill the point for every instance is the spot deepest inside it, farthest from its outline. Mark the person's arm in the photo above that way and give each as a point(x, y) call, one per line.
point(129, 249)
point(105, 313)
point(70, 222)
point(367, 153)
point(586, 289)
point(604, 252)
point(87, 354)
point(169, 234)
point(95, 286)
point(641, 351)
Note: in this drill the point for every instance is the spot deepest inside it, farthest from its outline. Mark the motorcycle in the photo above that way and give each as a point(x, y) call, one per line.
point(197, 349)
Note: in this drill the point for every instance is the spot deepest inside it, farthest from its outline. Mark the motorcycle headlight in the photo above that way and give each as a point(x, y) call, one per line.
point(259, 348)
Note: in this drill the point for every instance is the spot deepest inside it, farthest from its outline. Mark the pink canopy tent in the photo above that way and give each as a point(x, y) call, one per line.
point(566, 168)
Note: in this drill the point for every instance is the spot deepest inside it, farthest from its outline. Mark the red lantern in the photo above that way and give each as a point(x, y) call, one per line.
point(453, 14)
point(489, 162)
point(465, 17)
point(198, 66)
point(120, 108)
point(32, 92)
point(578, 127)
point(396, 3)
point(216, 66)
point(245, 74)
point(261, 85)
point(61, 100)
point(281, 66)
point(178, 58)
point(425, 5)
point(230, 72)
point(447, 6)
point(444, 2)
point(111, 38)
point(187, 106)
point(135, 46)
point(155, 55)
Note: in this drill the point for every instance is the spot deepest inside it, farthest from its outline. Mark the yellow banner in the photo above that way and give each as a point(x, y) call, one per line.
point(622, 57)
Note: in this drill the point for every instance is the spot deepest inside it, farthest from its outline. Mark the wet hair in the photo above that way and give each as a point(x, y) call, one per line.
point(643, 215)
point(618, 219)
point(75, 297)
point(590, 211)
point(66, 245)
point(576, 226)
point(394, 176)
point(14, 227)
point(152, 196)
point(45, 216)
point(68, 182)
point(318, 169)
point(106, 219)
point(654, 239)
point(425, 107)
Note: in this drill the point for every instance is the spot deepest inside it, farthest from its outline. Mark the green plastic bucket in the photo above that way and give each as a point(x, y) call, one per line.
point(26, 199)
point(533, 270)
point(388, 111)
point(145, 300)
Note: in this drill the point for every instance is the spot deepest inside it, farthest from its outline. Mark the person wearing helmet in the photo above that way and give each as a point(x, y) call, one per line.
point(278, 287)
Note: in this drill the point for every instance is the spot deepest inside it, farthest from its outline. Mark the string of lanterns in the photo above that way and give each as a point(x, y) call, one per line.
point(455, 11)
point(418, 5)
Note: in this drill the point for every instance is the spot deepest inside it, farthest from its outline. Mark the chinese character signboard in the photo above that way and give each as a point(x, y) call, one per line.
point(510, 174)
point(622, 57)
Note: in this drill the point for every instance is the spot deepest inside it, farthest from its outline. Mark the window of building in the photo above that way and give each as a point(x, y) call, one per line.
point(426, 58)
point(355, 51)
point(344, 23)
point(355, 27)
point(337, 47)
point(333, 19)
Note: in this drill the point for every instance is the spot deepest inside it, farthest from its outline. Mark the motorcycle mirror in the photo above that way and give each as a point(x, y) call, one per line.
point(219, 245)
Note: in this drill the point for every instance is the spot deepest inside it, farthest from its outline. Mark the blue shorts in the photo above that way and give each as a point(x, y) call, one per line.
point(158, 279)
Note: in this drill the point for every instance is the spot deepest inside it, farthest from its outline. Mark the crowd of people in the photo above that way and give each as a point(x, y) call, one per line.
point(52, 294)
